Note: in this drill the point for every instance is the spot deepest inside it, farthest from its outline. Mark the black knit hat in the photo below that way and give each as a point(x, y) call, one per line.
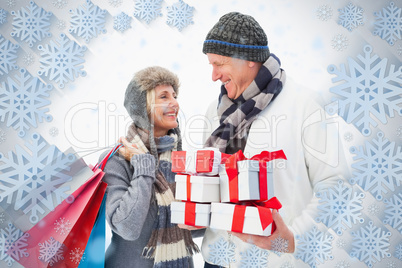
point(239, 36)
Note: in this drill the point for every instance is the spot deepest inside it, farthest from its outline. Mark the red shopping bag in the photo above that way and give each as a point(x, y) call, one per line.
point(60, 238)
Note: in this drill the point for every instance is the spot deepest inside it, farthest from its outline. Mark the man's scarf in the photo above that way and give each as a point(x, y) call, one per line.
point(169, 245)
point(237, 115)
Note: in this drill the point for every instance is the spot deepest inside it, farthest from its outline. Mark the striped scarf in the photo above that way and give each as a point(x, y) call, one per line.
point(237, 115)
point(168, 245)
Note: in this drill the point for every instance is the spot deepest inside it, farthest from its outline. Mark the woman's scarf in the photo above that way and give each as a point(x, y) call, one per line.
point(168, 245)
point(237, 115)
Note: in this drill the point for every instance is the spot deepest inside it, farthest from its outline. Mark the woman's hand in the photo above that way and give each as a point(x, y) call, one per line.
point(129, 149)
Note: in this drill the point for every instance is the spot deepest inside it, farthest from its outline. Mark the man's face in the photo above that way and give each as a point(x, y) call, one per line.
point(235, 74)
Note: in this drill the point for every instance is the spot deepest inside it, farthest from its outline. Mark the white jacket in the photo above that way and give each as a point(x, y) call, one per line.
point(295, 123)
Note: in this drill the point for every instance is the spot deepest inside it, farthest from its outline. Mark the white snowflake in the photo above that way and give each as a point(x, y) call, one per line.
point(3, 16)
point(62, 61)
point(370, 244)
point(147, 10)
point(399, 50)
point(324, 12)
point(88, 21)
point(51, 251)
point(367, 91)
point(121, 22)
point(340, 207)
point(61, 25)
point(254, 257)
point(340, 243)
point(391, 264)
point(342, 264)
point(287, 265)
point(393, 212)
point(373, 209)
point(63, 226)
point(19, 248)
point(280, 245)
point(388, 25)
point(314, 247)
point(11, 3)
point(8, 54)
point(115, 3)
point(398, 252)
point(180, 15)
point(399, 132)
point(348, 136)
point(350, 16)
point(77, 255)
point(59, 3)
point(2, 218)
point(222, 252)
point(8, 236)
point(23, 101)
point(28, 59)
point(378, 167)
point(54, 132)
point(2, 136)
point(339, 42)
point(31, 24)
point(39, 177)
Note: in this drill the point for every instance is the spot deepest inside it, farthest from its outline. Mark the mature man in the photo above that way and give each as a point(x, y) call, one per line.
point(260, 109)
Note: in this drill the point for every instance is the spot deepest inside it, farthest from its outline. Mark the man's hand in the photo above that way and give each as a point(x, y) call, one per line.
point(281, 240)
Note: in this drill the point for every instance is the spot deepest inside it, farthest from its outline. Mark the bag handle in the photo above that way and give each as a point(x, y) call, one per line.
point(102, 163)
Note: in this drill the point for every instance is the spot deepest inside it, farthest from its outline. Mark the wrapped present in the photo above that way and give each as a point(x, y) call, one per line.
point(205, 161)
point(203, 189)
point(190, 213)
point(243, 179)
point(249, 219)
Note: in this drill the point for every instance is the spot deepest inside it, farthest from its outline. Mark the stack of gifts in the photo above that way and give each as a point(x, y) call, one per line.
point(241, 198)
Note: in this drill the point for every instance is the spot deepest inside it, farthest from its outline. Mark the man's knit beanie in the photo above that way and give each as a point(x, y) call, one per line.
point(239, 36)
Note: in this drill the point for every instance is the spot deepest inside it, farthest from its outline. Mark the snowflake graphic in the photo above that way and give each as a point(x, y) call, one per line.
point(254, 257)
point(388, 25)
point(61, 25)
point(51, 251)
point(11, 3)
point(339, 42)
point(115, 3)
point(340, 243)
point(38, 177)
point(370, 244)
point(88, 21)
point(391, 264)
point(399, 50)
point(62, 61)
point(18, 248)
point(2, 218)
point(398, 252)
point(3, 16)
point(22, 101)
point(280, 245)
point(121, 22)
point(54, 132)
point(8, 236)
point(63, 226)
point(313, 247)
point(367, 91)
point(2, 136)
point(180, 15)
point(350, 16)
point(287, 265)
point(222, 252)
point(324, 12)
point(399, 132)
point(340, 207)
point(373, 209)
point(342, 264)
point(8, 52)
point(379, 166)
point(59, 3)
point(348, 137)
point(77, 255)
point(31, 24)
point(147, 10)
point(393, 212)
point(28, 59)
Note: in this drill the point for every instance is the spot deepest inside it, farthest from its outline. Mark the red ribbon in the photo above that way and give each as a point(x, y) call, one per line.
point(189, 213)
point(188, 187)
point(264, 211)
point(231, 171)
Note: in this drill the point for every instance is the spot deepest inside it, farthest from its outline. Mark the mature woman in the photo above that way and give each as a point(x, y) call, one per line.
point(140, 181)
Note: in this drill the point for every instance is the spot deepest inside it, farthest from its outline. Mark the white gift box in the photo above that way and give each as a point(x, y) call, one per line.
point(202, 214)
point(203, 189)
point(248, 181)
point(222, 218)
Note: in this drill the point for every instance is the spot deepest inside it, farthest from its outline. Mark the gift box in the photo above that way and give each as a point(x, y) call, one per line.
point(205, 161)
point(252, 219)
point(203, 189)
point(189, 213)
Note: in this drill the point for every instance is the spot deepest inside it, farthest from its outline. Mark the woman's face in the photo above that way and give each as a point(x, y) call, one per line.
point(166, 108)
